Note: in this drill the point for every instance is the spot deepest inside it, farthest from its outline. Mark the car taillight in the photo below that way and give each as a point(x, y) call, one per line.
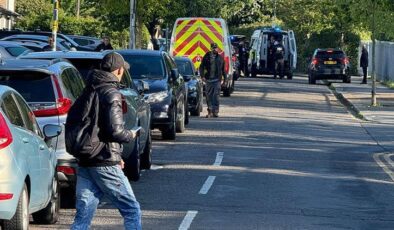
point(124, 105)
point(5, 133)
point(6, 196)
point(62, 105)
point(66, 170)
point(345, 61)
point(226, 64)
point(315, 61)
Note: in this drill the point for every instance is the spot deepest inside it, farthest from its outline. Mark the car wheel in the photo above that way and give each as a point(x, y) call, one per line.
point(20, 220)
point(232, 87)
point(146, 156)
point(132, 166)
point(169, 133)
point(180, 123)
point(68, 196)
point(254, 71)
point(50, 214)
point(347, 79)
point(312, 79)
point(290, 76)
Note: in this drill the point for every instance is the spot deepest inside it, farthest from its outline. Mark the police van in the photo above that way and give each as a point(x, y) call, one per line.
point(192, 38)
point(261, 56)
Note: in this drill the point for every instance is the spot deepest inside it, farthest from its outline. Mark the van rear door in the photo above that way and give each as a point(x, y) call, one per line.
point(264, 50)
point(293, 48)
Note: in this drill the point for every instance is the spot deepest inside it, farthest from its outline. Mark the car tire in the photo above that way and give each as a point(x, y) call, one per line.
point(169, 133)
point(290, 76)
point(312, 79)
point(196, 111)
point(254, 70)
point(180, 124)
point(20, 220)
point(146, 156)
point(232, 87)
point(132, 168)
point(50, 214)
point(347, 79)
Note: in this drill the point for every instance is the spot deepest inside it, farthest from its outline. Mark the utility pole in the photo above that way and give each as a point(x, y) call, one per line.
point(78, 7)
point(133, 4)
point(274, 21)
point(373, 92)
point(55, 22)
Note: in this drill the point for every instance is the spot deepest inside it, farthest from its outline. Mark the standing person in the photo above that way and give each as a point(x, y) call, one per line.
point(50, 45)
point(212, 72)
point(364, 63)
point(100, 171)
point(105, 45)
point(279, 54)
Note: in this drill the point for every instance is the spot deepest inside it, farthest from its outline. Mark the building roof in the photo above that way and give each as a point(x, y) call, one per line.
point(6, 12)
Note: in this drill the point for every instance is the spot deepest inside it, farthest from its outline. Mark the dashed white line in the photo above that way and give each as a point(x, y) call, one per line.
point(219, 158)
point(187, 221)
point(382, 165)
point(207, 185)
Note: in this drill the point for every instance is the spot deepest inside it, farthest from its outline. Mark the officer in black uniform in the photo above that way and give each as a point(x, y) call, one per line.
point(279, 54)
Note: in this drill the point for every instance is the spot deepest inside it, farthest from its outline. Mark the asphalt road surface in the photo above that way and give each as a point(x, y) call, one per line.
point(282, 155)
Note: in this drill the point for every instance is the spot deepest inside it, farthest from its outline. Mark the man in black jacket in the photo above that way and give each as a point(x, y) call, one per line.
point(364, 63)
point(212, 72)
point(101, 174)
point(105, 45)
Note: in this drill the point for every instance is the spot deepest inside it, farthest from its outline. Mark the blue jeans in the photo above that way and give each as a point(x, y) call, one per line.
point(95, 182)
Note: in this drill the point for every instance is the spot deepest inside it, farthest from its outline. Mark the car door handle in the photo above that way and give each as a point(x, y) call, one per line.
point(25, 140)
point(42, 147)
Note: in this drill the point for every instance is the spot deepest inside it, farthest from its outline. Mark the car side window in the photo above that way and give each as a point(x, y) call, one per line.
point(11, 110)
point(28, 116)
point(72, 83)
point(168, 65)
point(126, 79)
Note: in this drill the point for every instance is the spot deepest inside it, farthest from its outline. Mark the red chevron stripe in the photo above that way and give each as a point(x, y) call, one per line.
point(184, 43)
point(209, 40)
point(191, 50)
point(183, 31)
point(214, 31)
point(180, 22)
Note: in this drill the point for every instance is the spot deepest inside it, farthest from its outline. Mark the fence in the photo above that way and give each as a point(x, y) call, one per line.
point(384, 59)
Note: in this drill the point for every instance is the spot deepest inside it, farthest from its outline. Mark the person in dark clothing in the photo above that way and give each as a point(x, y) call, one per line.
point(50, 45)
point(212, 72)
point(279, 54)
point(364, 63)
point(243, 58)
point(105, 45)
point(101, 174)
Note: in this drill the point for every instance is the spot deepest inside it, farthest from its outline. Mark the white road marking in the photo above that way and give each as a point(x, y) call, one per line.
point(387, 157)
point(207, 185)
point(187, 221)
point(219, 158)
point(382, 165)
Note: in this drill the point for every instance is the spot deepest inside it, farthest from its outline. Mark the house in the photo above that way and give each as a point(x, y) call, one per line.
point(7, 14)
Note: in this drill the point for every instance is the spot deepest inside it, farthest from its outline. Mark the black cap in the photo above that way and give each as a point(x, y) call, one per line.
point(113, 61)
point(214, 45)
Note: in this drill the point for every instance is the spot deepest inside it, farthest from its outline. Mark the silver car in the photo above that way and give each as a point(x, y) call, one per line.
point(28, 178)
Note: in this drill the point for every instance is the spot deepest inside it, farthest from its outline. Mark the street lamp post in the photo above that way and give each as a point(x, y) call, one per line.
point(55, 22)
point(132, 23)
point(373, 92)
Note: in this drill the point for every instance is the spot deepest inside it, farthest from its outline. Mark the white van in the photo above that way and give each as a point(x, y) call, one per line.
point(261, 60)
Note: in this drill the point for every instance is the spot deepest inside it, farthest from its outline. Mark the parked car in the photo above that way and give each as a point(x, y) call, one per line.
point(28, 178)
point(60, 43)
point(191, 37)
point(167, 93)
point(11, 50)
point(194, 83)
point(86, 41)
point(329, 64)
point(138, 155)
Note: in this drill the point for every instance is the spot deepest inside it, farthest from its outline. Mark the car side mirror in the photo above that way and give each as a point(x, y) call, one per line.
point(51, 131)
point(143, 87)
point(174, 74)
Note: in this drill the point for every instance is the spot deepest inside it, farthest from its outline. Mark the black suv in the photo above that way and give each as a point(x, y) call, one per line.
point(329, 64)
point(168, 91)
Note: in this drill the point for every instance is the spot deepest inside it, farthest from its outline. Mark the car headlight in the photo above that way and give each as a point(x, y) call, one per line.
point(157, 97)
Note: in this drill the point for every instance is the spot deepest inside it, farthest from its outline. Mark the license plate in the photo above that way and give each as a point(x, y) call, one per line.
point(330, 62)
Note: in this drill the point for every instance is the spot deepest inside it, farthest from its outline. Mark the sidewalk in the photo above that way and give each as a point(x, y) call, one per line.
point(358, 98)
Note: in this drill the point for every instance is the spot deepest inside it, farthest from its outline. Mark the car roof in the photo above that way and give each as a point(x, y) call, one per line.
point(65, 55)
point(141, 52)
point(28, 65)
point(179, 58)
point(25, 36)
point(4, 89)
point(10, 44)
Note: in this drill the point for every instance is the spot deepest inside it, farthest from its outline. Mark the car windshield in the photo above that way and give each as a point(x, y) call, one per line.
point(33, 86)
point(84, 66)
point(15, 51)
point(184, 67)
point(145, 67)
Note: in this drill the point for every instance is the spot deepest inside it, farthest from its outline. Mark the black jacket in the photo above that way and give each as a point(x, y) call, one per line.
point(205, 67)
point(102, 47)
point(364, 58)
point(110, 122)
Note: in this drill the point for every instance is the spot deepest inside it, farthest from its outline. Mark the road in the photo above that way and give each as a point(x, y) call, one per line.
point(283, 155)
